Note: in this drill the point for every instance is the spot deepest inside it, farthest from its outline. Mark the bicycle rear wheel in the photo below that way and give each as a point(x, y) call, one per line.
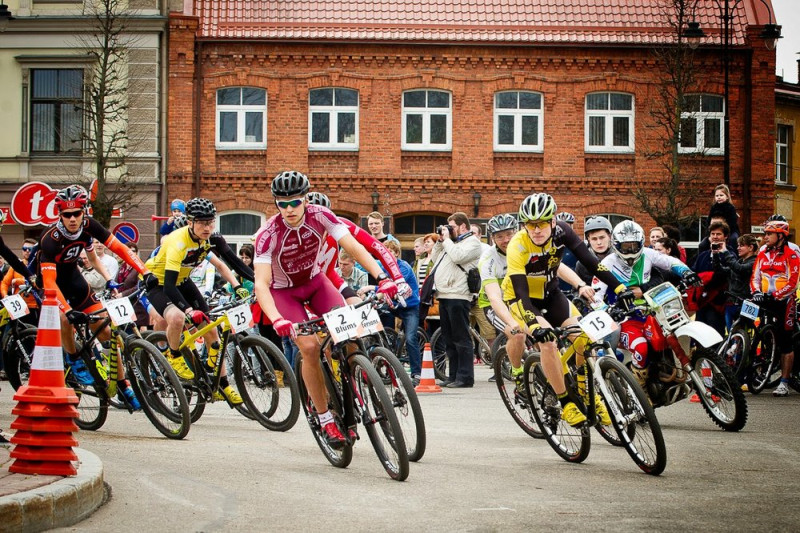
point(339, 458)
point(571, 443)
point(721, 396)
point(765, 370)
point(404, 399)
point(158, 389)
point(18, 355)
point(482, 349)
point(516, 403)
point(378, 417)
point(92, 405)
point(267, 383)
point(633, 417)
point(194, 396)
point(439, 355)
point(735, 350)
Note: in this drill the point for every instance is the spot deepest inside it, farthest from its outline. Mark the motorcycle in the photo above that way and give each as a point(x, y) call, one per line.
point(682, 358)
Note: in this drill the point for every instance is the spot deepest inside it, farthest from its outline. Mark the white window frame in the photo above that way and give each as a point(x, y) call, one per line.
point(239, 240)
point(241, 111)
point(518, 113)
point(608, 115)
point(700, 118)
point(785, 147)
point(333, 112)
point(426, 113)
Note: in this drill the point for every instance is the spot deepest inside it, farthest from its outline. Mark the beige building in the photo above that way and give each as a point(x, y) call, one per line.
point(47, 74)
point(787, 152)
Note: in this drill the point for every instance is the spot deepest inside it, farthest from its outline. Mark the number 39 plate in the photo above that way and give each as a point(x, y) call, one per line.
point(120, 311)
point(240, 318)
point(597, 325)
point(15, 306)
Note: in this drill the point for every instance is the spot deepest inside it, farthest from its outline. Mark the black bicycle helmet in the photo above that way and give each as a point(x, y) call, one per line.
point(317, 198)
point(179, 221)
point(501, 223)
point(776, 218)
point(290, 183)
point(200, 209)
point(566, 216)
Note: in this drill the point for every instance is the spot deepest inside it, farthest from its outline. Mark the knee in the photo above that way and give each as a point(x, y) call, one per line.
point(175, 319)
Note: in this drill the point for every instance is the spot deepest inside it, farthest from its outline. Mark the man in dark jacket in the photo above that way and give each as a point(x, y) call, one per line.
point(712, 298)
point(597, 232)
point(738, 271)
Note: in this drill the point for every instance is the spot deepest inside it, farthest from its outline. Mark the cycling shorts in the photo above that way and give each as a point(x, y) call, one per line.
point(318, 294)
point(554, 308)
point(785, 312)
point(160, 301)
point(77, 292)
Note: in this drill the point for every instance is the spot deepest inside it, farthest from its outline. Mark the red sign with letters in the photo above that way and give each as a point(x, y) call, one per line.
point(34, 204)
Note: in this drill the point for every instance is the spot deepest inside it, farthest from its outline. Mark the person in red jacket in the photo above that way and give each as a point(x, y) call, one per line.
point(774, 283)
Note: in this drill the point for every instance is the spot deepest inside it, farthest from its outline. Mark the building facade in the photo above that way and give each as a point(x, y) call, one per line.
point(787, 151)
point(44, 98)
point(419, 108)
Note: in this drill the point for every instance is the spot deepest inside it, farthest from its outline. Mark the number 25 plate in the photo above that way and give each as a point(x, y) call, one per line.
point(597, 325)
point(240, 318)
point(120, 311)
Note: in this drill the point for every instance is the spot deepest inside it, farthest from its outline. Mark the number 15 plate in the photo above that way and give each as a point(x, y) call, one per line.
point(597, 325)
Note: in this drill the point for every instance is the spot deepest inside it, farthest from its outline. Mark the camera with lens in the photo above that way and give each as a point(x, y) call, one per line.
point(449, 229)
point(716, 246)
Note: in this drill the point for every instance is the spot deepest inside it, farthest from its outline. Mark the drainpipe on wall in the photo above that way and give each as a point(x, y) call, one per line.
point(198, 95)
point(162, 201)
point(748, 143)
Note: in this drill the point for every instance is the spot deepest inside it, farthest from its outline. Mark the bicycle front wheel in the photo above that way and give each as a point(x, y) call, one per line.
point(18, 355)
point(158, 388)
point(339, 458)
point(765, 370)
point(92, 405)
point(193, 393)
point(439, 354)
point(516, 402)
point(735, 350)
point(720, 394)
point(404, 399)
point(378, 417)
point(571, 443)
point(633, 417)
point(266, 382)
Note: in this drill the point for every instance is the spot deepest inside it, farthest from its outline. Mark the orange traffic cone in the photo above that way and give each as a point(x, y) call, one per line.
point(46, 409)
point(427, 382)
point(706, 373)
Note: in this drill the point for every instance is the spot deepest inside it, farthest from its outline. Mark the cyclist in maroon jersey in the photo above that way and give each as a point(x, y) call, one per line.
point(288, 277)
point(330, 254)
point(59, 248)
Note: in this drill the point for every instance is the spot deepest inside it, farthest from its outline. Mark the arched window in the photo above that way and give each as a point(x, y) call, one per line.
point(238, 227)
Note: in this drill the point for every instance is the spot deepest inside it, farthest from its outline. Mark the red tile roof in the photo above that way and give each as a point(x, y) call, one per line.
point(475, 21)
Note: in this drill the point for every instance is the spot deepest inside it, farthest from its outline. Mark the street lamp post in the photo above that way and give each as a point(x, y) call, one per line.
point(694, 33)
point(5, 17)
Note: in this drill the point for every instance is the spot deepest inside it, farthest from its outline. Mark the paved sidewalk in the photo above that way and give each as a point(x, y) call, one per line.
point(35, 503)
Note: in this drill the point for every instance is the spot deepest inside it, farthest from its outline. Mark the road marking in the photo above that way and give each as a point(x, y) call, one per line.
point(495, 509)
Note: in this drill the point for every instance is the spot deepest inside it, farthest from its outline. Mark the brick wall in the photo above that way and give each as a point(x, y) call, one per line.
point(411, 182)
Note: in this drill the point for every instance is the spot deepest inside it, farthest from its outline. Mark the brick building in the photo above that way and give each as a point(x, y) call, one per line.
point(425, 107)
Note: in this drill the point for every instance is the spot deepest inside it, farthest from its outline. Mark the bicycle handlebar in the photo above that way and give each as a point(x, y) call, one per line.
point(317, 325)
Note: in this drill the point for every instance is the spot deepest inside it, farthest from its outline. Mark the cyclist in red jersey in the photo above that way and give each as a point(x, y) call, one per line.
point(59, 248)
point(774, 282)
point(288, 276)
point(330, 256)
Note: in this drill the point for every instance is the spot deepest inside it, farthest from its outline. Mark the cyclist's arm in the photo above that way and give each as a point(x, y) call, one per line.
point(495, 296)
point(49, 283)
point(666, 262)
point(567, 274)
point(360, 254)
point(263, 279)
point(226, 273)
point(755, 279)
point(378, 250)
point(793, 267)
point(100, 233)
point(12, 260)
point(585, 256)
point(224, 251)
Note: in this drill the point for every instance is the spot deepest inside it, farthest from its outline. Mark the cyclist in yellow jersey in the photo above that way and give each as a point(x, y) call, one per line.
point(531, 287)
point(176, 297)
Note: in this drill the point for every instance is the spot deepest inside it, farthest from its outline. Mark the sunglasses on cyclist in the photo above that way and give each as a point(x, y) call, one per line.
point(71, 214)
point(285, 204)
point(537, 225)
point(27, 248)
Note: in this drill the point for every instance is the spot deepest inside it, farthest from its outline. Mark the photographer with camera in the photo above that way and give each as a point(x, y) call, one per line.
point(710, 298)
point(453, 256)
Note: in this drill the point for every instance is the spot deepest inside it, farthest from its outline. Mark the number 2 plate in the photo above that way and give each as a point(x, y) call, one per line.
point(240, 318)
point(597, 325)
point(342, 323)
point(16, 306)
point(120, 311)
point(749, 310)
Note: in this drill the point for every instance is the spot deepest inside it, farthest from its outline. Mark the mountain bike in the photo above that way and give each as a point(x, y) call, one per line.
point(356, 394)
point(481, 348)
point(19, 339)
point(632, 416)
point(751, 348)
point(262, 375)
point(151, 377)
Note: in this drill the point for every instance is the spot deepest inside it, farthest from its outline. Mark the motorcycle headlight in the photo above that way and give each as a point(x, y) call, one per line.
point(672, 307)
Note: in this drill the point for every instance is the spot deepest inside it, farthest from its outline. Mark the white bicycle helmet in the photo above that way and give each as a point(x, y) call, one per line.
point(566, 216)
point(318, 198)
point(500, 223)
point(628, 241)
point(537, 206)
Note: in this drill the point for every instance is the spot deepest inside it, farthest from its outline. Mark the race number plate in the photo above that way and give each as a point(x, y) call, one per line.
point(597, 325)
point(16, 306)
point(371, 321)
point(749, 310)
point(240, 318)
point(343, 323)
point(120, 311)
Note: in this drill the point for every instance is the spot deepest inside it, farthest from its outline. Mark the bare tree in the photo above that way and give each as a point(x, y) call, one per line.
point(671, 200)
point(106, 137)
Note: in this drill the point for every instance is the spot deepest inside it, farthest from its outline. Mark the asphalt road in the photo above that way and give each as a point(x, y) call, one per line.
point(480, 473)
